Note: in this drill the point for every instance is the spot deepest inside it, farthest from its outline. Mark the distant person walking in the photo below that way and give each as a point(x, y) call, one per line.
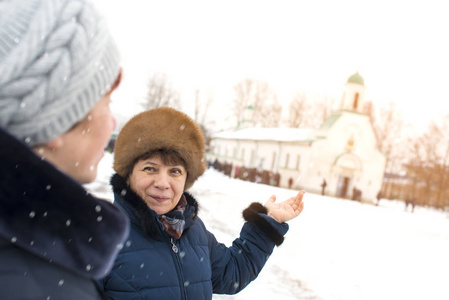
point(290, 182)
point(323, 187)
point(378, 197)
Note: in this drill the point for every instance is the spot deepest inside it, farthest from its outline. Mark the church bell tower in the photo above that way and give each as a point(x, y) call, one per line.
point(354, 94)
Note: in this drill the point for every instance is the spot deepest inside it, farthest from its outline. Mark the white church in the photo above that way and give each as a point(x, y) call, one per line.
point(343, 153)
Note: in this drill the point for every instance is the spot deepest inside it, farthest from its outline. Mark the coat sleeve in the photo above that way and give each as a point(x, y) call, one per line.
point(233, 268)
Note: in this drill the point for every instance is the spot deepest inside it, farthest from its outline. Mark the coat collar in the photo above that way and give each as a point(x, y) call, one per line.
point(140, 214)
point(50, 215)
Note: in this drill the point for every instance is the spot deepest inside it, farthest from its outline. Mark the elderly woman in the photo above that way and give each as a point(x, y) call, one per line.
point(170, 254)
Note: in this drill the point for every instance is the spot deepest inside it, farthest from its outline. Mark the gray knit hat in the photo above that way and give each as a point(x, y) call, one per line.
point(57, 59)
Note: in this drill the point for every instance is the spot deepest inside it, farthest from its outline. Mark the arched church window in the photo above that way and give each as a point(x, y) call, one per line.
point(356, 101)
point(252, 158)
point(287, 158)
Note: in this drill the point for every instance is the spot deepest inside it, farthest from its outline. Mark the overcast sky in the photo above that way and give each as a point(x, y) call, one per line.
point(401, 48)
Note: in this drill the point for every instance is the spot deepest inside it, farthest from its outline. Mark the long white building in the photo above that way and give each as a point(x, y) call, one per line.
point(343, 152)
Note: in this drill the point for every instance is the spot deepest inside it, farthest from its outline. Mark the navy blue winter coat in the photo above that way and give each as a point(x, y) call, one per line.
point(56, 240)
point(153, 266)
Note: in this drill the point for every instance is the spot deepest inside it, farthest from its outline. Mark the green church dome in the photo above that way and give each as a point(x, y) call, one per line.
point(356, 78)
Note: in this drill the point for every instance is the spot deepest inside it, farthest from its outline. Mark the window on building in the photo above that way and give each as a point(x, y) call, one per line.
point(251, 160)
point(234, 154)
point(273, 161)
point(287, 158)
point(356, 101)
point(298, 161)
point(243, 154)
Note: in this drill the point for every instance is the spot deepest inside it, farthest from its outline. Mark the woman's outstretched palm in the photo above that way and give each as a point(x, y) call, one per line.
point(285, 210)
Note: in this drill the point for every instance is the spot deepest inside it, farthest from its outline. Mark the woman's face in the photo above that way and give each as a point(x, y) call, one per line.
point(159, 185)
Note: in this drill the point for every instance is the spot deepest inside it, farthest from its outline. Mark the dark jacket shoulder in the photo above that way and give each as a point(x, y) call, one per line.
point(50, 225)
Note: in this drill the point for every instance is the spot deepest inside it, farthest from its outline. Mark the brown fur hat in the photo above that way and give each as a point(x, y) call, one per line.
point(161, 128)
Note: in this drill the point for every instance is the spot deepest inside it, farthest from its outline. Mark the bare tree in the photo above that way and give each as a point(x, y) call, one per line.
point(304, 112)
point(161, 92)
point(388, 128)
point(442, 166)
point(297, 111)
point(420, 170)
point(262, 99)
point(322, 110)
point(243, 98)
point(202, 105)
point(430, 162)
point(270, 115)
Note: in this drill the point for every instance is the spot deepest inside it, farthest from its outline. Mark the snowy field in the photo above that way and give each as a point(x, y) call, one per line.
point(336, 249)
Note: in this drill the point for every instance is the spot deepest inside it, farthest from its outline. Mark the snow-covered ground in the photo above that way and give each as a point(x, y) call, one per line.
point(336, 249)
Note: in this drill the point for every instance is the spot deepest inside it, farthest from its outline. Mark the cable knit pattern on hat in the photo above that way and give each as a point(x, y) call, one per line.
point(57, 59)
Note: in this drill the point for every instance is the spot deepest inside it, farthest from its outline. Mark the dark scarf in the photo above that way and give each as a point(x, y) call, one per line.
point(47, 213)
point(147, 218)
point(174, 221)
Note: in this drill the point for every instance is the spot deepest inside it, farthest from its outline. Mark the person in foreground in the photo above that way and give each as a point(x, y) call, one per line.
point(58, 68)
point(170, 254)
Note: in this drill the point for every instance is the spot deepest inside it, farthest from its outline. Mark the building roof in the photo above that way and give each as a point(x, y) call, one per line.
point(330, 121)
point(356, 78)
point(269, 134)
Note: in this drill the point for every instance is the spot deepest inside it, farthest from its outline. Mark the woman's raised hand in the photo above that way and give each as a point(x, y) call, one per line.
point(285, 210)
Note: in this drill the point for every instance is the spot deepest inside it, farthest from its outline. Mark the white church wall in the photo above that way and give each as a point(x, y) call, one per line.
point(293, 163)
point(318, 166)
point(267, 155)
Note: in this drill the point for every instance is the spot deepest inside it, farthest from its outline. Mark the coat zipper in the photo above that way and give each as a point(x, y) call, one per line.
point(173, 246)
point(175, 249)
